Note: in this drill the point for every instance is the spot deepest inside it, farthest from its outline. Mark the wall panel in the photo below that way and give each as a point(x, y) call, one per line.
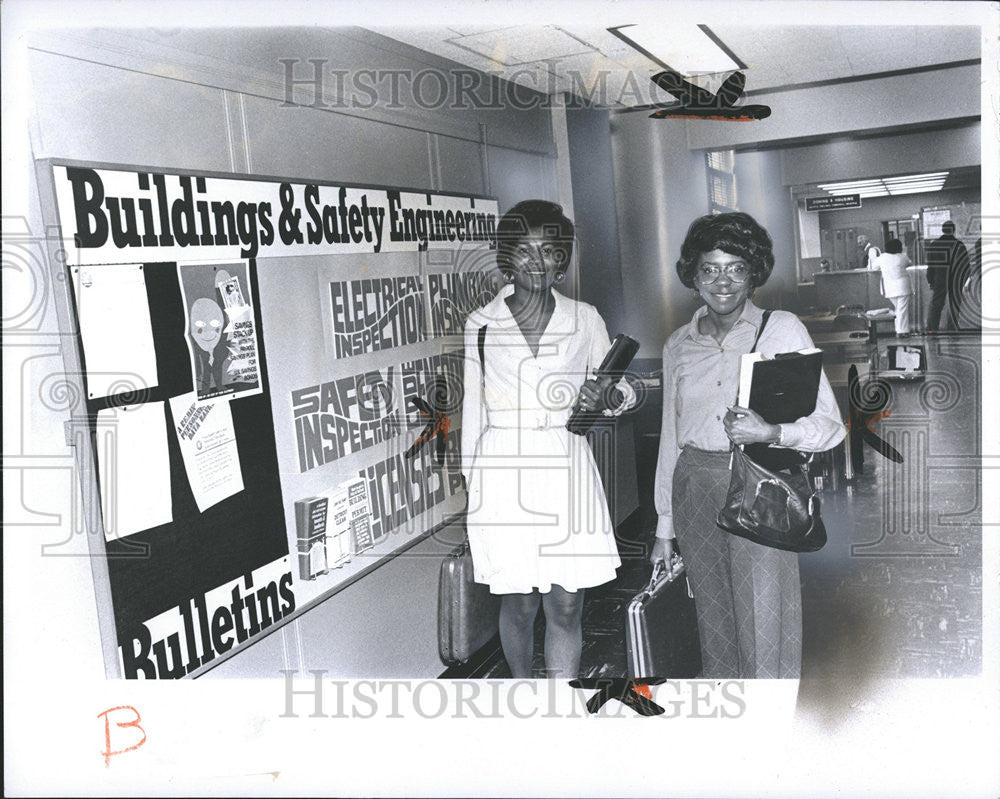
point(516, 176)
point(98, 113)
point(460, 165)
point(848, 159)
point(660, 187)
point(328, 146)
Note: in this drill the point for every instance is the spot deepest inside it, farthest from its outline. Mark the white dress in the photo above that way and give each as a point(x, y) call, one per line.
point(537, 512)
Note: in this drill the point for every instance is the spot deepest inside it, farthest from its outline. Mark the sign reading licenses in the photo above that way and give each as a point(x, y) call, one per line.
point(833, 203)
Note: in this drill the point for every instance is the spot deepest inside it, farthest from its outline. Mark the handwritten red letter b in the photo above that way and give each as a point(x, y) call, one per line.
point(108, 752)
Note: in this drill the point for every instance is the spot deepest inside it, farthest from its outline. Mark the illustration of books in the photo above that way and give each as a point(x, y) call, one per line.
point(360, 514)
point(310, 528)
point(338, 537)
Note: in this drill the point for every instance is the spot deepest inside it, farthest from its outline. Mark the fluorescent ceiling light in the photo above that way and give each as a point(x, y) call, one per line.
point(911, 190)
point(882, 187)
point(857, 184)
point(917, 178)
point(685, 48)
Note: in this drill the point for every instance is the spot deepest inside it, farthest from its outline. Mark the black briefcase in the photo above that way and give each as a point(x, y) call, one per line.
point(662, 630)
point(468, 614)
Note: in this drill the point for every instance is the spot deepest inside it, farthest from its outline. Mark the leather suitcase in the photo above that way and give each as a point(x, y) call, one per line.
point(662, 630)
point(468, 614)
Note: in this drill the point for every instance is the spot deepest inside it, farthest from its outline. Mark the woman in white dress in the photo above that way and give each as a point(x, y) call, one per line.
point(539, 527)
point(896, 285)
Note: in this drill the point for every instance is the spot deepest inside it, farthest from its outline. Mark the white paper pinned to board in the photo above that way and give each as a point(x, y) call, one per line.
point(115, 328)
point(207, 440)
point(134, 469)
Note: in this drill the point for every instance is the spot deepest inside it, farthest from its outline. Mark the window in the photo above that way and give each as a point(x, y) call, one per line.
point(720, 167)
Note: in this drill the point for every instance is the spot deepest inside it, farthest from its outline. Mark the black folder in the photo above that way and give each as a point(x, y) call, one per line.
point(783, 389)
point(623, 350)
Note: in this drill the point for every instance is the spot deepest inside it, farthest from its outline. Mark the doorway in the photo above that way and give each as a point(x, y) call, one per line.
point(906, 231)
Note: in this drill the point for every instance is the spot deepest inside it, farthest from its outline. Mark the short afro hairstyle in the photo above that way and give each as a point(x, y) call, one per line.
point(734, 233)
point(534, 214)
point(894, 246)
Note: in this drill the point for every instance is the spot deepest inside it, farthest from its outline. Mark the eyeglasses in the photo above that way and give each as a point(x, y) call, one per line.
point(737, 273)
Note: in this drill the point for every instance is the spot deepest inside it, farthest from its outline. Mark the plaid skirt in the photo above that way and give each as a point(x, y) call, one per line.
point(747, 596)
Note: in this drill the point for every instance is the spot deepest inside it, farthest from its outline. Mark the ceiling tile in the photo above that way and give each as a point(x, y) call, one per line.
point(776, 56)
point(522, 45)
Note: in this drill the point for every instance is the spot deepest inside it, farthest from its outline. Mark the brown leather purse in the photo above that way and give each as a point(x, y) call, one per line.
point(777, 509)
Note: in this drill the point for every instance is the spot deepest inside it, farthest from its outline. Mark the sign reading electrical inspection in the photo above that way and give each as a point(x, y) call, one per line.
point(377, 314)
point(117, 216)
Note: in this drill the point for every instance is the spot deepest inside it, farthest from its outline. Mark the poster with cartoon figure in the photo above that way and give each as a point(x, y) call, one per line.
point(220, 330)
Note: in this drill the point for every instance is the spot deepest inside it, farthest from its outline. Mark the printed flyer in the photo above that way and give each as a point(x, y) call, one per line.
point(208, 444)
point(220, 330)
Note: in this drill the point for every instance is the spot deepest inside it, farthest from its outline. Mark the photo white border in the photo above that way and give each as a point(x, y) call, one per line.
point(214, 737)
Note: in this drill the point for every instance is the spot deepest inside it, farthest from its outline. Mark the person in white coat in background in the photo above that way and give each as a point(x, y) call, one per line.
point(896, 285)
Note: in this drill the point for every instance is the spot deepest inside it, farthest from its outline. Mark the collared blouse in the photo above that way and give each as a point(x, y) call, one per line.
point(701, 383)
point(526, 390)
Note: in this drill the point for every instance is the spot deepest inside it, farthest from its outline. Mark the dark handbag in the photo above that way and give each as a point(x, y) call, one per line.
point(468, 614)
point(661, 637)
point(776, 509)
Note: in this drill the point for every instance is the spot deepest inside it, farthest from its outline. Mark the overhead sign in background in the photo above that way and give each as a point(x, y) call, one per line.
point(833, 202)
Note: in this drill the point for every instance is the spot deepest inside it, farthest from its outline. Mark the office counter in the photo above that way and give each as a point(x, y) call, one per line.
point(862, 287)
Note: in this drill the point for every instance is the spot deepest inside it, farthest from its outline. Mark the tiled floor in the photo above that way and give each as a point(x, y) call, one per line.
point(897, 591)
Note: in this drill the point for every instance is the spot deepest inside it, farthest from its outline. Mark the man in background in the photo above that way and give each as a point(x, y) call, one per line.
point(869, 252)
point(947, 270)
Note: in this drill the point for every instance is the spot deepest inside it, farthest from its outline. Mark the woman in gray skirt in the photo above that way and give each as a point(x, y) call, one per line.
point(747, 596)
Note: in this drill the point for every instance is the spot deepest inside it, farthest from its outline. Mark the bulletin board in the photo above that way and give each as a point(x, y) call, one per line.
point(270, 372)
point(966, 216)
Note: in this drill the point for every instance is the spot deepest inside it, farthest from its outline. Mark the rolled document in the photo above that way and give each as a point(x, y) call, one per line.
point(623, 350)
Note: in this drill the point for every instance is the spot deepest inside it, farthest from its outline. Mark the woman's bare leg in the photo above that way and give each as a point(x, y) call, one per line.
point(517, 631)
point(563, 632)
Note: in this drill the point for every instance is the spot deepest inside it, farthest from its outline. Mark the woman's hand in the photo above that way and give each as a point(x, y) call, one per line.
point(664, 550)
point(595, 395)
point(744, 426)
